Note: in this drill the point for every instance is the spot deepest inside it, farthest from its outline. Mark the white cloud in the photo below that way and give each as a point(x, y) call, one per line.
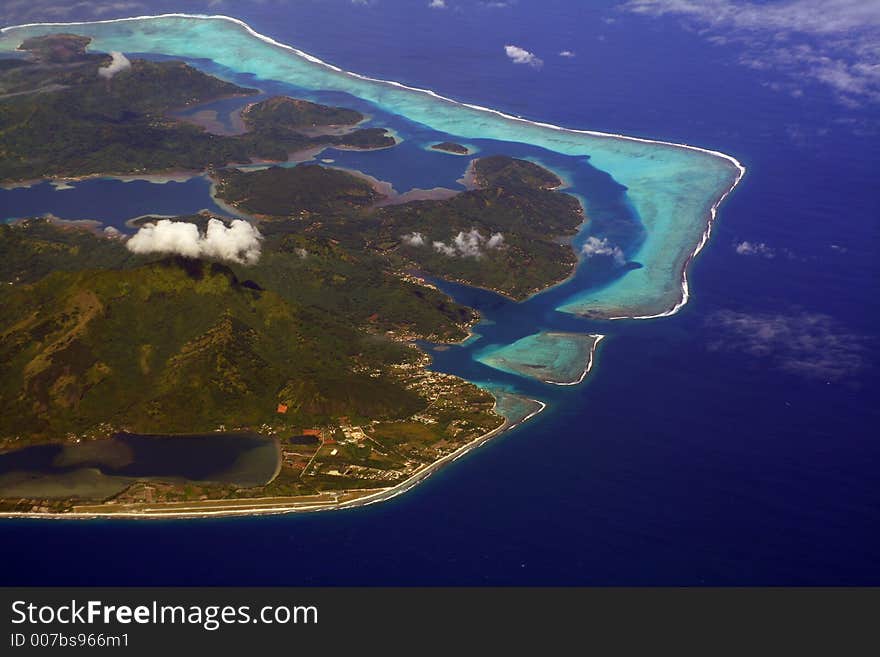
point(832, 42)
point(807, 344)
point(522, 56)
point(496, 241)
point(445, 249)
point(119, 63)
point(437, 4)
point(595, 246)
point(239, 242)
point(567, 53)
point(755, 249)
point(810, 16)
point(470, 244)
point(414, 239)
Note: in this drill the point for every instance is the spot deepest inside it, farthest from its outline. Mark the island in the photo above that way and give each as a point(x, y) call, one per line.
point(452, 148)
point(273, 352)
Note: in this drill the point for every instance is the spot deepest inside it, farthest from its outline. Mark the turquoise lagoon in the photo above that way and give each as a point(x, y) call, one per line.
point(514, 407)
point(673, 189)
point(549, 356)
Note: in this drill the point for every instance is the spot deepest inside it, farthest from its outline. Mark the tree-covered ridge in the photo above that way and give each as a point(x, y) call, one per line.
point(455, 238)
point(340, 278)
point(451, 147)
point(282, 114)
point(60, 118)
point(516, 202)
point(306, 189)
point(57, 48)
point(34, 248)
point(511, 173)
point(509, 235)
point(178, 346)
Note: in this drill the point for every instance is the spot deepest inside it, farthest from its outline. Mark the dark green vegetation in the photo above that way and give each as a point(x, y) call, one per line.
point(451, 147)
point(93, 125)
point(78, 350)
point(357, 285)
point(527, 261)
point(511, 173)
point(515, 199)
point(339, 279)
point(32, 249)
point(57, 48)
point(58, 117)
point(281, 125)
point(94, 340)
point(299, 191)
point(282, 114)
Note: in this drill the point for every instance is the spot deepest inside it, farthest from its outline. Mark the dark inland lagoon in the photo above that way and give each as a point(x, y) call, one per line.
point(732, 443)
point(100, 468)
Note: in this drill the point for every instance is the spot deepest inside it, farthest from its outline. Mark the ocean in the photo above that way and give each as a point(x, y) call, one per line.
point(731, 443)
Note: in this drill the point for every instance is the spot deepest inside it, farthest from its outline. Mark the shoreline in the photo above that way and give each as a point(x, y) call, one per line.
point(378, 494)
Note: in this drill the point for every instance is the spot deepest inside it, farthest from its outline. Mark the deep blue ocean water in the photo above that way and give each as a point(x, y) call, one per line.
point(734, 443)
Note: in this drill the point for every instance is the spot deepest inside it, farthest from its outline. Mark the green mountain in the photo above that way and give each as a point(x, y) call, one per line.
point(59, 117)
point(509, 172)
point(282, 113)
point(177, 346)
point(515, 200)
point(292, 192)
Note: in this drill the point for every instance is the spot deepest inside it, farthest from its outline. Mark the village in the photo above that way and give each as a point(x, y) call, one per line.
point(379, 453)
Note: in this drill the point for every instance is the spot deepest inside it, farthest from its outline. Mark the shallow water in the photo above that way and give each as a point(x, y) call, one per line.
point(551, 357)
